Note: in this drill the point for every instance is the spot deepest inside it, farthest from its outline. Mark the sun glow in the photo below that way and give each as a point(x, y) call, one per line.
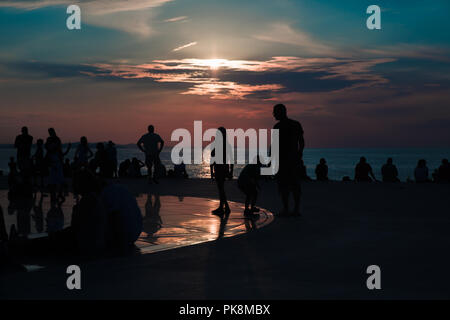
point(215, 64)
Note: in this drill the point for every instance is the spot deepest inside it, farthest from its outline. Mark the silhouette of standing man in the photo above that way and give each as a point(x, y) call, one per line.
point(23, 145)
point(148, 144)
point(291, 153)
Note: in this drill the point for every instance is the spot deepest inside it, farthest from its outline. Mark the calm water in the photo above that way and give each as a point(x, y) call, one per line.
point(341, 162)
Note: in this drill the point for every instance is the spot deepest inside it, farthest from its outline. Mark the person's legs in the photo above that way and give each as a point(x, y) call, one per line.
point(297, 195)
point(223, 196)
point(247, 201)
point(223, 206)
point(149, 163)
point(285, 199)
point(156, 164)
point(253, 200)
point(284, 178)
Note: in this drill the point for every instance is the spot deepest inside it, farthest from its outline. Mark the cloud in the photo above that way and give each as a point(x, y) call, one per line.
point(404, 50)
point(222, 78)
point(176, 19)
point(243, 79)
point(285, 34)
point(129, 16)
point(185, 46)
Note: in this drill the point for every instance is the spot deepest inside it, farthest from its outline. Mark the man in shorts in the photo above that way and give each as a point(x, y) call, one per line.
point(151, 144)
point(291, 152)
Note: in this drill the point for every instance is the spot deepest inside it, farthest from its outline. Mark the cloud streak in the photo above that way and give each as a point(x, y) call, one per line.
point(176, 19)
point(285, 34)
point(185, 46)
point(240, 79)
point(124, 15)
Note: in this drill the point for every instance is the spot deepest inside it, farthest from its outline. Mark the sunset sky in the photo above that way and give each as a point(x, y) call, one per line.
point(170, 62)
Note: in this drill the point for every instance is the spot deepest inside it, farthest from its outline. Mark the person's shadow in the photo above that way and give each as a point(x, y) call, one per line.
point(152, 221)
point(223, 225)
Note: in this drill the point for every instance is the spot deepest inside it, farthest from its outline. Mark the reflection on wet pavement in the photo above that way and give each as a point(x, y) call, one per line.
point(168, 221)
point(171, 222)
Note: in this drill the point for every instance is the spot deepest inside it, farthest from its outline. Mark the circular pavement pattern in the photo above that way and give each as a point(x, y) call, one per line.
point(168, 221)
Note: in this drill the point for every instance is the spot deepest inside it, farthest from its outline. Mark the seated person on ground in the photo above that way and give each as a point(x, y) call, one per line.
point(363, 171)
point(124, 167)
point(443, 174)
point(421, 171)
point(179, 171)
point(389, 172)
point(303, 174)
point(135, 168)
point(124, 216)
point(322, 170)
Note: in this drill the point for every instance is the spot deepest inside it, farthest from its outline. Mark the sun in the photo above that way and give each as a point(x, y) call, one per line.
point(214, 64)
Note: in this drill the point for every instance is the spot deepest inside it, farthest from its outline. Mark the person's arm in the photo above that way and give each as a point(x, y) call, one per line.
point(90, 153)
point(211, 168)
point(139, 144)
point(230, 173)
point(161, 145)
point(372, 175)
point(69, 146)
point(77, 151)
point(301, 142)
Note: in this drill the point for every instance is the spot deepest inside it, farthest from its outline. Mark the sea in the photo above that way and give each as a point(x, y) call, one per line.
point(341, 161)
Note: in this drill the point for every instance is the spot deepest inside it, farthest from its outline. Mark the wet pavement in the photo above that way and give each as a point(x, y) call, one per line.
point(168, 221)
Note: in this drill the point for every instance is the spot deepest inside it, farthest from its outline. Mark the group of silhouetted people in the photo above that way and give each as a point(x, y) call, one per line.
point(389, 172)
point(106, 215)
point(49, 161)
point(291, 168)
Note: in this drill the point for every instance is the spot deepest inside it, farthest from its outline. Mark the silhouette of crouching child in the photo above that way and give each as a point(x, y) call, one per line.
point(248, 184)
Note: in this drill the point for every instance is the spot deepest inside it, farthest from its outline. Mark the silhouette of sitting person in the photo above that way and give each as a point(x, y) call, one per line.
point(443, 173)
point(148, 144)
point(421, 172)
point(248, 184)
point(23, 145)
point(322, 170)
point(124, 167)
point(107, 216)
point(303, 174)
point(179, 171)
point(389, 171)
point(134, 171)
point(290, 155)
point(363, 171)
point(221, 168)
point(123, 214)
